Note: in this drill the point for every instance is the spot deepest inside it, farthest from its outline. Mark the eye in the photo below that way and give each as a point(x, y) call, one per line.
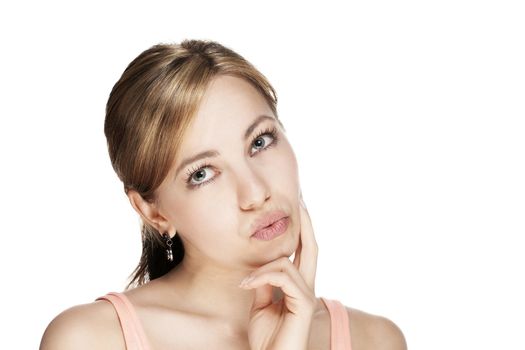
point(259, 142)
point(195, 176)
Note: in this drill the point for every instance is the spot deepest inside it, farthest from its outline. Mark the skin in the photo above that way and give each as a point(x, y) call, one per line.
point(278, 309)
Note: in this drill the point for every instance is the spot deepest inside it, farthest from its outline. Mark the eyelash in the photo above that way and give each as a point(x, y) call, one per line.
point(267, 132)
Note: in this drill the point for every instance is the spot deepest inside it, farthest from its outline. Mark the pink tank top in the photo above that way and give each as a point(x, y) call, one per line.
point(135, 337)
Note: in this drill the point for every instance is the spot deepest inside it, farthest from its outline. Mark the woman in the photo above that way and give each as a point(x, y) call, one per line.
point(194, 135)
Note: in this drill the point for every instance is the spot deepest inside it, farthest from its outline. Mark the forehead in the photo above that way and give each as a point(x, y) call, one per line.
point(228, 106)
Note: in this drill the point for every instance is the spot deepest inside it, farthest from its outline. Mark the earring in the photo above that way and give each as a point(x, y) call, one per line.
point(169, 242)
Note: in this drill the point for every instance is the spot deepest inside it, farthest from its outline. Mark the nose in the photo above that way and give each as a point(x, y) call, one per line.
point(253, 190)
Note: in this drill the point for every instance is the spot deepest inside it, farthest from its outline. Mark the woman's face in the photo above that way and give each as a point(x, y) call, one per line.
point(212, 202)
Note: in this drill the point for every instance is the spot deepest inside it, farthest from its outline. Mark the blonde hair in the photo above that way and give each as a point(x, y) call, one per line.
point(147, 114)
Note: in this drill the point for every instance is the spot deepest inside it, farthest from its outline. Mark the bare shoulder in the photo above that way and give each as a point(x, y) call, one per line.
point(370, 331)
point(87, 326)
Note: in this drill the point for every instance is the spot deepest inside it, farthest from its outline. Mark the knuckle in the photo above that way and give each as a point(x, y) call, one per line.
point(284, 262)
point(283, 259)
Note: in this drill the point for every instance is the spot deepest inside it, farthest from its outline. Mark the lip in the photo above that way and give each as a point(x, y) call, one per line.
point(267, 219)
point(276, 229)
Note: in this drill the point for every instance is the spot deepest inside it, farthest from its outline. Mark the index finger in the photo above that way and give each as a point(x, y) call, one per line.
point(308, 249)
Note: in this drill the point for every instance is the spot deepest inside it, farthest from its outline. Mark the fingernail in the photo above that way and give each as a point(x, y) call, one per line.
point(246, 280)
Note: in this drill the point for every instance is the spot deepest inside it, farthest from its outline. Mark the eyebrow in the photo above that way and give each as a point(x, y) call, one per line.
point(215, 153)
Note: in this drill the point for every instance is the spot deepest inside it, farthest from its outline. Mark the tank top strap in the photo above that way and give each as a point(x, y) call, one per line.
point(339, 324)
point(134, 335)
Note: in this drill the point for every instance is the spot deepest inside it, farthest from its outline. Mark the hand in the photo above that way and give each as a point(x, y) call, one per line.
point(285, 324)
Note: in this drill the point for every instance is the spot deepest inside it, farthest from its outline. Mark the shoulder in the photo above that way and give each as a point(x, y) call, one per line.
point(370, 331)
point(87, 326)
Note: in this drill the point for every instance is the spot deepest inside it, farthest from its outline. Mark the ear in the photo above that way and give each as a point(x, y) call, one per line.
point(149, 213)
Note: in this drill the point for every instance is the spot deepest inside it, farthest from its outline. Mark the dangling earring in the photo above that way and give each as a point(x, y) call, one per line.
point(169, 242)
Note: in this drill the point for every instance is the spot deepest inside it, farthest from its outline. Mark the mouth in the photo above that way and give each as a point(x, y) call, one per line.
point(273, 230)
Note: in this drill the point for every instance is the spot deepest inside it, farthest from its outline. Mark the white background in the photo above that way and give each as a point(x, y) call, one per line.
point(407, 118)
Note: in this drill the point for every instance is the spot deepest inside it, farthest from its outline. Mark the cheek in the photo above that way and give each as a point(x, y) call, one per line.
point(203, 218)
point(285, 174)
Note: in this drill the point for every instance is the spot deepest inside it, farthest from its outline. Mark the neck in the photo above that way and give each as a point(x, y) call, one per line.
point(212, 291)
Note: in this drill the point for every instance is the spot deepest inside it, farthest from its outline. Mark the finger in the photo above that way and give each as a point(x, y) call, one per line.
point(296, 296)
point(297, 255)
point(282, 264)
point(309, 248)
point(263, 297)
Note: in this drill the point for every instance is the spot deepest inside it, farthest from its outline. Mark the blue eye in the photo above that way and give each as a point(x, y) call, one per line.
point(199, 173)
